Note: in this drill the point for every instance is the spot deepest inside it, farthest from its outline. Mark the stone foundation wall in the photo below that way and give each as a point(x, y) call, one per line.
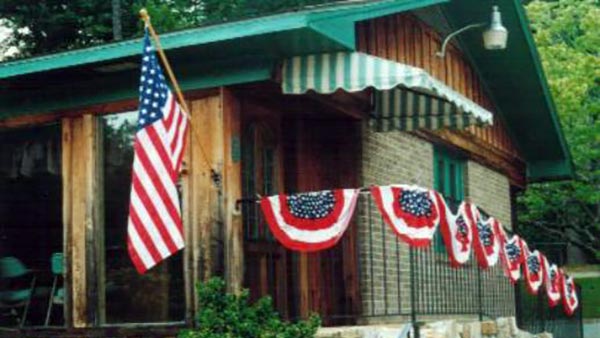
point(500, 328)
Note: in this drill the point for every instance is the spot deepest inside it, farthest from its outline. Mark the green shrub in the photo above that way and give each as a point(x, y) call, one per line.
point(223, 315)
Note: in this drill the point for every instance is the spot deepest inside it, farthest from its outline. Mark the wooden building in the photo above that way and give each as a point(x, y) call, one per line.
point(265, 126)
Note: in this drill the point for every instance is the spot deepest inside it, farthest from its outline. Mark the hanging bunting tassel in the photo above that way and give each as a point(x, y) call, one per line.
point(512, 257)
point(533, 269)
point(456, 231)
point(410, 211)
point(486, 243)
point(310, 221)
point(552, 282)
point(569, 294)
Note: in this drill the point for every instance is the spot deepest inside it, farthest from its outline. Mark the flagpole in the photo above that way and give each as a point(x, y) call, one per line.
point(146, 18)
point(215, 176)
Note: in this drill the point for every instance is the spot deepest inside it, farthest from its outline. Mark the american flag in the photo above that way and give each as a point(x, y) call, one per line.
point(155, 229)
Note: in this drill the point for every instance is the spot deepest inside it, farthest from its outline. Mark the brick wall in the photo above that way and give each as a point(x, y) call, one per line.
point(396, 157)
point(388, 158)
point(490, 190)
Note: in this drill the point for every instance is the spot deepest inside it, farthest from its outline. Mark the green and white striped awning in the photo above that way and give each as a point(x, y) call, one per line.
point(406, 97)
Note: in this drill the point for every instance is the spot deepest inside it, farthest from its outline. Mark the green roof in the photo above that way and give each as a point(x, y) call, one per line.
point(248, 51)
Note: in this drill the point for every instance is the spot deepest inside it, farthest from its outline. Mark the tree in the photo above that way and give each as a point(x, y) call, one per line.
point(568, 39)
point(40, 27)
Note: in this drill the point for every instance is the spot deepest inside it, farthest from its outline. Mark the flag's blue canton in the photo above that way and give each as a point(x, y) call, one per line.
point(153, 89)
point(416, 203)
point(311, 205)
point(513, 251)
point(533, 264)
point(485, 233)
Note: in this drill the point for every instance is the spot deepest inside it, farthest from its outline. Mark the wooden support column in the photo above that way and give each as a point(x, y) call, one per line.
point(79, 214)
point(200, 195)
point(232, 191)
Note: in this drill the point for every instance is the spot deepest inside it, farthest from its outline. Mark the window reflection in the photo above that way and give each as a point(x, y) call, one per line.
point(31, 231)
point(158, 295)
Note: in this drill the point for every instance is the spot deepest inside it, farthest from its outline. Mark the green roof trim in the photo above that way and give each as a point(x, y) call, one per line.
point(334, 22)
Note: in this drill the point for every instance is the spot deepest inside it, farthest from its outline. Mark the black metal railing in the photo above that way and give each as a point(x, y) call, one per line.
point(419, 283)
point(535, 315)
point(398, 283)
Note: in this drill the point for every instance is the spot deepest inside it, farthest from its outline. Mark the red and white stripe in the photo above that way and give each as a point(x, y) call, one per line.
point(552, 286)
point(569, 294)
point(155, 229)
point(532, 280)
point(458, 247)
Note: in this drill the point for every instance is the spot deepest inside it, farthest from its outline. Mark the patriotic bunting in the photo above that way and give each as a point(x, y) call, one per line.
point(310, 221)
point(533, 269)
point(486, 243)
point(456, 231)
point(512, 257)
point(569, 294)
point(552, 279)
point(315, 221)
point(411, 211)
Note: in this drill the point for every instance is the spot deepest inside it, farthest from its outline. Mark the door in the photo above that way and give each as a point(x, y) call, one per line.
point(265, 259)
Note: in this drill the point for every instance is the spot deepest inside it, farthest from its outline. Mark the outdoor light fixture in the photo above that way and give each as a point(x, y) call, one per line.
point(494, 38)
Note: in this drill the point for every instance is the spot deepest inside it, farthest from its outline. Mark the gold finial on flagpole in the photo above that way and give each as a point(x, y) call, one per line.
point(144, 15)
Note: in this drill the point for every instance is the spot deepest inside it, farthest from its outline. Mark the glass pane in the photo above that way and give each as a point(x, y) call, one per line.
point(158, 295)
point(31, 230)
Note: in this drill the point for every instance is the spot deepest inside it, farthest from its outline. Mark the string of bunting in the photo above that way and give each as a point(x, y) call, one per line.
point(313, 221)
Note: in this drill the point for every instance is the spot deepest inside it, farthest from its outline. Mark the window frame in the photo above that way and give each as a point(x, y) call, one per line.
point(99, 320)
point(454, 192)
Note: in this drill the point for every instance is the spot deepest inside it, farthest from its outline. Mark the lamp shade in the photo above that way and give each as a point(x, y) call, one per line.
point(496, 35)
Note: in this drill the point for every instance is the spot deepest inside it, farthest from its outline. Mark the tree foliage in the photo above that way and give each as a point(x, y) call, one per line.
point(568, 39)
point(43, 26)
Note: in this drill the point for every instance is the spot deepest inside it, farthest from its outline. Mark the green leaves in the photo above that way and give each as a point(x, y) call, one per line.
point(568, 39)
point(232, 316)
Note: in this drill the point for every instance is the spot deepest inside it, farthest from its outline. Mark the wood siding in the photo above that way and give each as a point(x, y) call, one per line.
point(406, 39)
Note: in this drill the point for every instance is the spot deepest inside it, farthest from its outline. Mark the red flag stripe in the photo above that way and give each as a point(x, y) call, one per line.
point(147, 171)
point(155, 228)
point(169, 111)
point(143, 235)
point(147, 207)
point(179, 153)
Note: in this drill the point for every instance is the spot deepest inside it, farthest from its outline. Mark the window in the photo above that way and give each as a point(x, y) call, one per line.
point(158, 295)
point(31, 230)
point(449, 181)
point(259, 177)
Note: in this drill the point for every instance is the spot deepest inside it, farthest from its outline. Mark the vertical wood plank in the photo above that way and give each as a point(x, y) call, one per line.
point(232, 176)
point(401, 38)
point(79, 183)
point(67, 156)
point(381, 30)
point(392, 48)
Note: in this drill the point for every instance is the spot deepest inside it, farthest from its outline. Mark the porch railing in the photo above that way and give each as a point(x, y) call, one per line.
point(535, 316)
point(419, 284)
point(398, 283)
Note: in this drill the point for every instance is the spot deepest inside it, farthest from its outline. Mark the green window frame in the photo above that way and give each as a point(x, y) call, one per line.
point(448, 179)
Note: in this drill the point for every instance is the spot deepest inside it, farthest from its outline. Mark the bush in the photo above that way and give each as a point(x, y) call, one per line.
point(223, 315)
